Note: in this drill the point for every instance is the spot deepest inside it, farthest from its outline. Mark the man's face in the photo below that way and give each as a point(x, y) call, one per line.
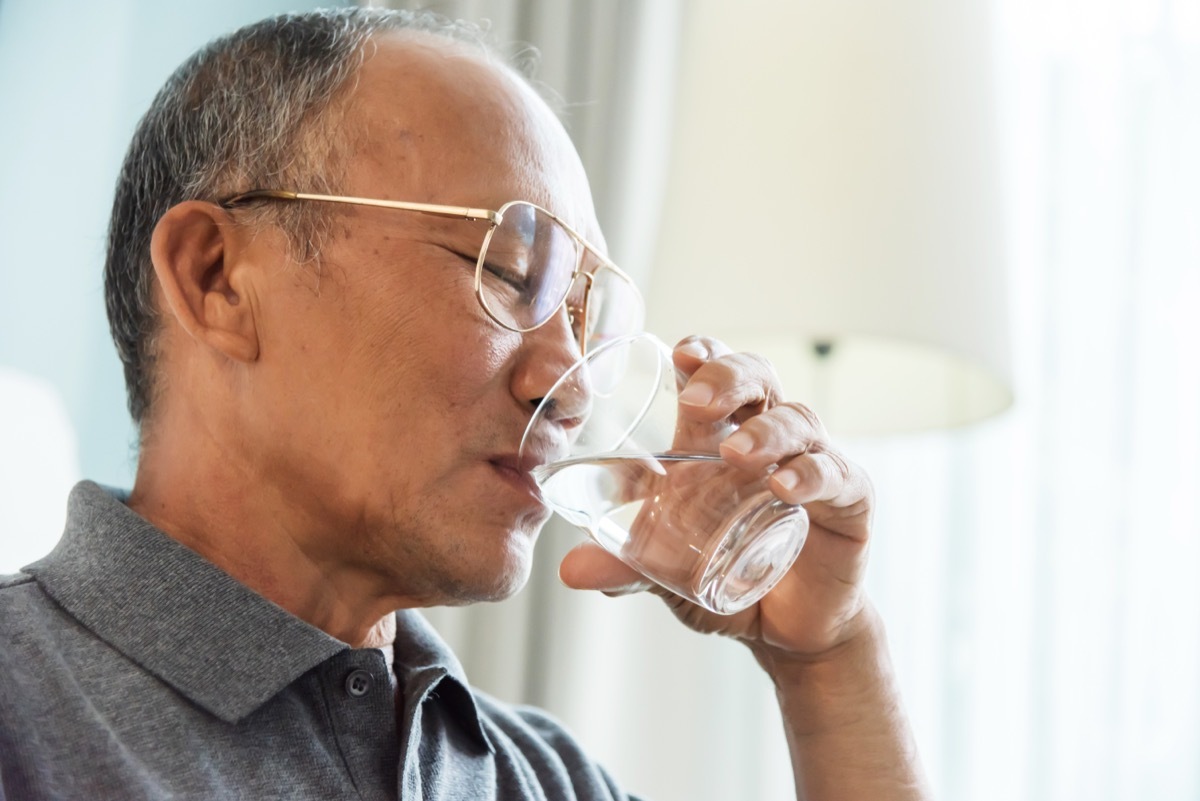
point(388, 407)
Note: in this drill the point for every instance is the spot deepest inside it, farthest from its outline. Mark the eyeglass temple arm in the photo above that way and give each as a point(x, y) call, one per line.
point(600, 257)
point(458, 212)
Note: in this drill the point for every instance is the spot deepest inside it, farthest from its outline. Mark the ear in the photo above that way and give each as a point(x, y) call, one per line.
point(195, 258)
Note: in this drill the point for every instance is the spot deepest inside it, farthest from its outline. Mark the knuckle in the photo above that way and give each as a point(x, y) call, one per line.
point(808, 418)
point(765, 427)
point(718, 370)
point(838, 474)
point(715, 347)
point(760, 369)
point(757, 362)
point(842, 467)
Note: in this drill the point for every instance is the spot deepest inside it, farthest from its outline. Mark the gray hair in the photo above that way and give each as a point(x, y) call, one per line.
point(253, 109)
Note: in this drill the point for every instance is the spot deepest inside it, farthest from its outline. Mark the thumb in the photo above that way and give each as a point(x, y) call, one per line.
point(589, 567)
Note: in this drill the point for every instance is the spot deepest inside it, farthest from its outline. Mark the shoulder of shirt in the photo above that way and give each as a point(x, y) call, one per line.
point(517, 720)
point(25, 611)
point(14, 580)
point(512, 718)
point(22, 602)
point(502, 711)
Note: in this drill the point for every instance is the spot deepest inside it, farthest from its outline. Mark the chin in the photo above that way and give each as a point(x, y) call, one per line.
point(497, 576)
point(515, 566)
point(488, 589)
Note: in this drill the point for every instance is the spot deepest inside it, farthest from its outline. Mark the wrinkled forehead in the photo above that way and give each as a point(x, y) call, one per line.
point(438, 122)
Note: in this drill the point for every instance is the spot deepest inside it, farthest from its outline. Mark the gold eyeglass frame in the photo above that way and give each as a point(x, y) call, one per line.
point(494, 219)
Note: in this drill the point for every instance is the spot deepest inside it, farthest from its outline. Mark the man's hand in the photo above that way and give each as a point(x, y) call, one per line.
point(818, 604)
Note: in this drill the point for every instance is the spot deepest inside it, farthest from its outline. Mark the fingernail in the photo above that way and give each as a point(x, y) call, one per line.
point(786, 478)
point(739, 442)
point(696, 394)
point(694, 349)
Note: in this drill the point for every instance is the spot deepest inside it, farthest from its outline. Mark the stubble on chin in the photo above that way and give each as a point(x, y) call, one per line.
point(455, 569)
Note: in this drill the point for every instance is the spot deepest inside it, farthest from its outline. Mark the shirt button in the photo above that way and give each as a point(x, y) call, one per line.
point(358, 683)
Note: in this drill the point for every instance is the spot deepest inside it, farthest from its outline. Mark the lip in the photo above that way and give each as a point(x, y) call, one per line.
point(538, 447)
point(508, 467)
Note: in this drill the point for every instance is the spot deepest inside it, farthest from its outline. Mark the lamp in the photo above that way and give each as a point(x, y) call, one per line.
point(833, 203)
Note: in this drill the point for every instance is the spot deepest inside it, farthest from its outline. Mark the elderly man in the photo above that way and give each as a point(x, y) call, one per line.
point(331, 382)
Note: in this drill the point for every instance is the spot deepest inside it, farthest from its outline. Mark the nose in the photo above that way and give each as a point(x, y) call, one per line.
point(547, 353)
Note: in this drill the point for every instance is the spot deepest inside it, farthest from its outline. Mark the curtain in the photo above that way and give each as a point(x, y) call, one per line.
point(1038, 571)
point(70, 95)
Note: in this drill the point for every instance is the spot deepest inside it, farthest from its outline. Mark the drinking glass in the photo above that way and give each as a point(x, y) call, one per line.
point(611, 454)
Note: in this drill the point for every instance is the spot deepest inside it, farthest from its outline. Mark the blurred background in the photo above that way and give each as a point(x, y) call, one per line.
point(967, 232)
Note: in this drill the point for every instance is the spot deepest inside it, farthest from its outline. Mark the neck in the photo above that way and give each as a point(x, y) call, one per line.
point(213, 501)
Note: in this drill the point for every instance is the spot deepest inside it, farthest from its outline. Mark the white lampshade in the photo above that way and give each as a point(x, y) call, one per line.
point(834, 180)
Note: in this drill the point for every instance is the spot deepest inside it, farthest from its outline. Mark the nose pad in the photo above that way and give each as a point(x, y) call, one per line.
point(578, 295)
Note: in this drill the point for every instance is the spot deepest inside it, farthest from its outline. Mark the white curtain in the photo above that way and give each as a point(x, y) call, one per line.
point(1039, 571)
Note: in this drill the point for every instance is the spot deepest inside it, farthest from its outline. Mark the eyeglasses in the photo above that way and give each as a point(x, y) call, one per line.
point(531, 263)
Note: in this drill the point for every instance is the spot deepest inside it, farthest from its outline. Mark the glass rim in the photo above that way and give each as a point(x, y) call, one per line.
point(659, 346)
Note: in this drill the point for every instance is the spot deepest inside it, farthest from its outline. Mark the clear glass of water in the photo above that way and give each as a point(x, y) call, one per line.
point(610, 453)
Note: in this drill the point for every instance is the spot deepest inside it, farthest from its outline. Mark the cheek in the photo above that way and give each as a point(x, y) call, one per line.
point(492, 350)
point(411, 335)
point(431, 349)
point(470, 366)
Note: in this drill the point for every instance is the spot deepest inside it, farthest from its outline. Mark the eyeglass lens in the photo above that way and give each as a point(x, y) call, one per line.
point(528, 268)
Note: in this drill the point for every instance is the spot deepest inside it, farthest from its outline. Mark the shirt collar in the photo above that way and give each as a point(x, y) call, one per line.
point(425, 663)
point(197, 628)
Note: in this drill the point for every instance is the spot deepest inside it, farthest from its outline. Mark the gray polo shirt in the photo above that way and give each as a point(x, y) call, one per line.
point(132, 668)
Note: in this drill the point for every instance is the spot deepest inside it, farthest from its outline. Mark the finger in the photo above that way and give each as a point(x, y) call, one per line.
point(590, 567)
point(822, 476)
point(778, 433)
point(692, 352)
point(722, 386)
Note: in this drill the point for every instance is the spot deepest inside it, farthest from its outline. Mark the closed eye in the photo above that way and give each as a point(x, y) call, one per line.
point(498, 278)
point(510, 277)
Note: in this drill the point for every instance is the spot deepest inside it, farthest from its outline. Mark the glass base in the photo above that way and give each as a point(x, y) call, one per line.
point(758, 548)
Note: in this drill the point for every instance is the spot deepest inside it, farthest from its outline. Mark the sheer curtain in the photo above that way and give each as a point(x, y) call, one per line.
point(1038, 572)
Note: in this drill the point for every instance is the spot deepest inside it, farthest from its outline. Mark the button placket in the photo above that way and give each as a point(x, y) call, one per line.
point(363, 714)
